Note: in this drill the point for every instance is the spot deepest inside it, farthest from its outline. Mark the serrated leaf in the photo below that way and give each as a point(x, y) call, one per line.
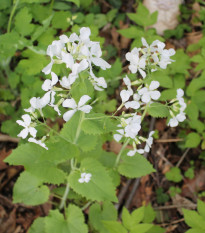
point(100, 186)
point(192, 140)
point(22, 22)
point(193, 219)
point(158, 110)
point(142, 228)
point(114, 227)
point(70, 132)
point(135, 166)
point(97, 123)
point(98, 213)
point(201, 208)
point(73, 223)
point(38, 226)
point(29, 190)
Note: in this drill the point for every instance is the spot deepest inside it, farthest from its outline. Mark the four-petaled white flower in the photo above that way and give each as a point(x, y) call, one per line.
point(149, 92)
point(39, 142)
point(133, 126)
point(70, 103)
point(26, 123)
point(136, 63)
point(85, 177)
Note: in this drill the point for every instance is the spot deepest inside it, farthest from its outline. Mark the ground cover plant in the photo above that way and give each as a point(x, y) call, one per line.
point(110, 116)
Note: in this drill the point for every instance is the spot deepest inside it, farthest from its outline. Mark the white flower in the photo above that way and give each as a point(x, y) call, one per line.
point(173, 122)
point(136, 63)
point(66, 82)
point(85, 177)
point(26, 123)
point(120, 134)
point(48, 84)
point(180, 93)
point(134, 103)
point(149, 142)
point(98, 83)
point(125, 95)
point(70, 103)
point(133, 126)
point(148, 93)
point(39, 142)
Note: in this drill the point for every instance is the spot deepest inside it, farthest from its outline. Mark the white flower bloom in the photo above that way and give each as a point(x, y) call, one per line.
point(148, 93)
point(133, 126)
point(136, 63)
point(173, 122)
point(39, 142)
point(125, 95)
point(48, 84)
point(70, 103)
point(85, 177)
point(26, 123)
point(133, 152)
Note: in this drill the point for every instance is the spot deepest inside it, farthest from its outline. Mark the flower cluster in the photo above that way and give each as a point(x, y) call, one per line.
point(78, 53)
point(149, 58)
point(85, 177)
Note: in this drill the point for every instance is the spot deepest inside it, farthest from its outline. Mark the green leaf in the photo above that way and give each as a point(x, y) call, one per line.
point(149, 214)
point(174, 175)
point(192, 140)
point(135, 166)
point(73, 223)
point(192, 111)
point(77, 2)
point(131, 32)
point(114, 227)
point(22, 22)
point(193, 219)
point(142, 228)
point(138, 215)
point(38, 226)
point(60, 20)
point(201, 208)
point(195, 230)
point(85, 141)
point(163, 78)
point(98, 213)
point(99, 124)
point(142, 14)
point(100, 186)
point(168, 94)
point(158, 110)
point(29, 190)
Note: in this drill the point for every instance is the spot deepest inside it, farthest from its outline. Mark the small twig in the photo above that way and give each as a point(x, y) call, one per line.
point(172, 223)
point(169, 140)
point(183, 156)
point(193, 206)
point(7, 138)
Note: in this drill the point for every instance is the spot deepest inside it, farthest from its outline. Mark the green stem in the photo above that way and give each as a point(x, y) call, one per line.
point(62, 204)
point(51, 6)
point(144, 113)
point(120, 153)
point(82, 115)
point(11, 16)
point(86, 205)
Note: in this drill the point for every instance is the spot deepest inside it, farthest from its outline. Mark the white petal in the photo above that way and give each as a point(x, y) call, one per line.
point(127, 81)
point(101, 82)
point(140, 151)
point(143, 91)
point(81, 180)
point(146, 98)
point(117, 137)
point(73, 37)
point(153, 85)
point(69, 103)
point(132, 104)
point(142, 72)
point(131, 153)
point(144, 42)
point(83, 65)
point(85, 33)
point(48, 68)
point(67, 58)
point(54, 78)
point(46, 85)
point(27, 119)
point(181, 117)
point(67, 116)
point(20, 122)
point(101, 63)
point(180, 93)
point(64, 39)
point(96, 50)
point(125, 95)
point(173, 122)
point(155, 95)
point(32, 131)
point(43, 101)
point(24, 133)
point(83, 100)
point(85, 108)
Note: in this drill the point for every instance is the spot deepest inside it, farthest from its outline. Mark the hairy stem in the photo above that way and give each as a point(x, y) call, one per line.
point(62, 204)
point(120, 153)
